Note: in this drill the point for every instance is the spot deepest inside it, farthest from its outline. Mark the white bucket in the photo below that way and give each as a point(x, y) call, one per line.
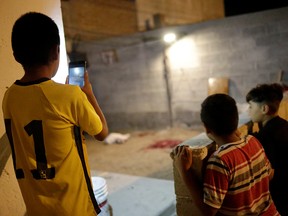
point(101, 193)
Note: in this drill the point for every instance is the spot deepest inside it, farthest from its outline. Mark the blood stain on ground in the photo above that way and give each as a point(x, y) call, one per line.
point(164, 144)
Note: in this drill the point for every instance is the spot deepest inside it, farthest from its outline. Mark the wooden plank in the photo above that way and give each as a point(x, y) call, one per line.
point(218, 85)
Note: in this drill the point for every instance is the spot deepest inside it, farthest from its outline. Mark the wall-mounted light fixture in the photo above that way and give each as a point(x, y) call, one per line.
point(169, 37)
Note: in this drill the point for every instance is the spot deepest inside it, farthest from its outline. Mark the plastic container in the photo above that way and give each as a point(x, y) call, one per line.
point(101, 194)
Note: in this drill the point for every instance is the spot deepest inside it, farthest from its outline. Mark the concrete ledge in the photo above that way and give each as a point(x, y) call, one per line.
point(141, 196)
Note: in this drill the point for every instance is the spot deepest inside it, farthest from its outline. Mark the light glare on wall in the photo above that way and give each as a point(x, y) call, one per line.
point(183, 54)
point(169, 37)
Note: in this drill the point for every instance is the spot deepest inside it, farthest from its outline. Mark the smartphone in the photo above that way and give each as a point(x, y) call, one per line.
point(76, 73)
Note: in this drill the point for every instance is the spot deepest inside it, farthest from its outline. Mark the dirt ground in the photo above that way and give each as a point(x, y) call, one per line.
point(137, 156)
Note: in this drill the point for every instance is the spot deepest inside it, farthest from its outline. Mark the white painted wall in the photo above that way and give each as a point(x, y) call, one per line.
point(11, 202)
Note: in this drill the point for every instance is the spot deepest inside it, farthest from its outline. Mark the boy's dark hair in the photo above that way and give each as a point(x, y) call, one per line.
point(34, 35)
point(271, 94)
point(219, 113)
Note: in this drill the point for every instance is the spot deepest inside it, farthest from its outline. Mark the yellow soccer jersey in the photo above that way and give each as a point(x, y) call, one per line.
point(40, 120)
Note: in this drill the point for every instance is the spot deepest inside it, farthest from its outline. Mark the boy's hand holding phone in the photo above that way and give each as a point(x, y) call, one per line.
point(76, 73)
point(87, 87)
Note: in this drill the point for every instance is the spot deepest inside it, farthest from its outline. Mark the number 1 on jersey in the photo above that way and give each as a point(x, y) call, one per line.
point(35, 129)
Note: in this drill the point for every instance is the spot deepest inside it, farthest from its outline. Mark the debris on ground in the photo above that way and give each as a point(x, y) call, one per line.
point(116, 138)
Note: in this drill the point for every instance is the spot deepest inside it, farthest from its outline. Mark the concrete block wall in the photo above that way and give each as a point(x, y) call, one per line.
point(248, 49)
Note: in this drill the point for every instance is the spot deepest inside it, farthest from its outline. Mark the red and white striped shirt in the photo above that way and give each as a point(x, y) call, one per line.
point(237, 179)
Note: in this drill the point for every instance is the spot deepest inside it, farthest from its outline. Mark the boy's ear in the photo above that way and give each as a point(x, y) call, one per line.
point(207, 130)
point(209, 133)
point(265, 109)
point(55, 52)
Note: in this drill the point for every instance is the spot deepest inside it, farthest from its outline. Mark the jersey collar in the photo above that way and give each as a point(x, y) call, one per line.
point(18, 82)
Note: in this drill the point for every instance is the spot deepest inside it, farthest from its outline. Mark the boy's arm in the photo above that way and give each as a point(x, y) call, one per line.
point(87, 89)
point(183, 163)
point(103, 134)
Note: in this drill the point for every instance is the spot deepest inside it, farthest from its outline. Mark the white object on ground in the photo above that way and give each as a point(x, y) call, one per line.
point(116, 138)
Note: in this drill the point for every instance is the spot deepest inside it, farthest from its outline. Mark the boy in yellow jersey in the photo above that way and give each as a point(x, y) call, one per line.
point(45, 121)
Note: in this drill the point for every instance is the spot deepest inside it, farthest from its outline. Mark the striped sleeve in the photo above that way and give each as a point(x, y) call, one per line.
point(216, 182)
point(237, 179)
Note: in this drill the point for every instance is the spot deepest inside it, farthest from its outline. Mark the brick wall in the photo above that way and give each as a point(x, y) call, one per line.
point(177, 12)
point(248, 49)
point(98, 19)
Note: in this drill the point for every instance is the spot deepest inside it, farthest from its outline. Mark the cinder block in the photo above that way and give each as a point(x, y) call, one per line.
point(254, 31)
point(185, 206)
point(203, 147)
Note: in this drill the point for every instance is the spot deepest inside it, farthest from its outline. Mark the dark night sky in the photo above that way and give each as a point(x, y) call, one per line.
point(237, 7)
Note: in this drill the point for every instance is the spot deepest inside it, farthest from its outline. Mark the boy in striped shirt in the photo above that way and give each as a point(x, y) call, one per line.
point(237, 175)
